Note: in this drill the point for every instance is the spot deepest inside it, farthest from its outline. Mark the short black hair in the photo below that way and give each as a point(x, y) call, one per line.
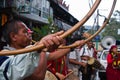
point(7, 28)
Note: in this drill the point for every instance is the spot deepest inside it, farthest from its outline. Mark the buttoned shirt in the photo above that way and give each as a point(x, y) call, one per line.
point(85, 51)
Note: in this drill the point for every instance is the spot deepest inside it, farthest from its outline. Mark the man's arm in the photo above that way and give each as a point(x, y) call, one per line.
point(58, 53)
point(61, 52)
point(39, 73)
point(73, 61)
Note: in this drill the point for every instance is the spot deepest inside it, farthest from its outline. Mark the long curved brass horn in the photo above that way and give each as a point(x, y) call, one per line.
point(68, 32)
point(92, 36)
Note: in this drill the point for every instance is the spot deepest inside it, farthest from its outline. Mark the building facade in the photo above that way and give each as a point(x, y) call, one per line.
point(36, 12)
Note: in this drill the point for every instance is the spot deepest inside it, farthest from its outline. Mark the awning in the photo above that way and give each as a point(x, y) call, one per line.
point(62, 14)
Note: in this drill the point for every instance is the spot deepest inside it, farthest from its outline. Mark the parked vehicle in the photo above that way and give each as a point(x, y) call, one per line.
point(103, 60)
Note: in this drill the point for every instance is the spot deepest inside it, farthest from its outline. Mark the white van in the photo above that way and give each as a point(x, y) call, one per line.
point(103, 60)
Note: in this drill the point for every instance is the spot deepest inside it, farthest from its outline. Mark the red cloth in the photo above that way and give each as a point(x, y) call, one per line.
point(109, 59)
point(112, 74)
point(95, 53)
point(113, 46)
point(58, 65)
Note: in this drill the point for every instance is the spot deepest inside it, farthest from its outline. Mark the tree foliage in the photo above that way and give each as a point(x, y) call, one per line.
point(112, 29)
point(42, 31)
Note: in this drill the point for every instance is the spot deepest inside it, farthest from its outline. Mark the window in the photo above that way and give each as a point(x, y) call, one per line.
point(104, 57)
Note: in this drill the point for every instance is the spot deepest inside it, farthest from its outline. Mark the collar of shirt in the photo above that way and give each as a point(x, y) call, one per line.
point(8, 47)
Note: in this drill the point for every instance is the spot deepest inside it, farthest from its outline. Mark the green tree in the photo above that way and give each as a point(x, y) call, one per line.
point(49, 28)
point(112, 29)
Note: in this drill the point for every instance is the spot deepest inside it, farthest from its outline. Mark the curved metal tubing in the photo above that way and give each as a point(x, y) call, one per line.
point(68, 32)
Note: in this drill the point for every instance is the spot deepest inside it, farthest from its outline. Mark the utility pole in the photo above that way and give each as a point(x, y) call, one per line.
point(97, 27)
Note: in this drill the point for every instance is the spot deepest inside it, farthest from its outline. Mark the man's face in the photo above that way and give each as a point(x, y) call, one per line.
point(90, 44)
point(23, 38)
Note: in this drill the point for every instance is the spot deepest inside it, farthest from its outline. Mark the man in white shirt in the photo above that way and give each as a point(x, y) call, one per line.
point(75, 61)
point(86, 52)
point(16, 67)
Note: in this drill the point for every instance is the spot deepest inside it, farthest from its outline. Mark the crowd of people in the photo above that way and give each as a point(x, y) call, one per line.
point(64, 64)
point(31, 65)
